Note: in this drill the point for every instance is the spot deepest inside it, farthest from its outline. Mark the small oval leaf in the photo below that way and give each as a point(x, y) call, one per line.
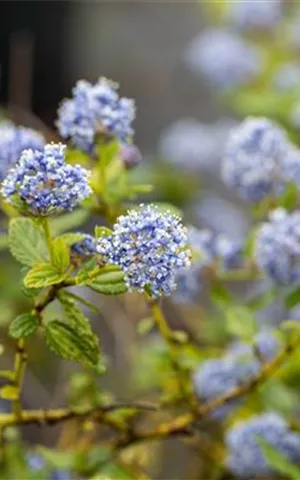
point(23, 326)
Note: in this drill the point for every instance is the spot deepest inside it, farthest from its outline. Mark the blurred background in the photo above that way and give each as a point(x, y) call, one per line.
point(181, 128)
point(47, 46)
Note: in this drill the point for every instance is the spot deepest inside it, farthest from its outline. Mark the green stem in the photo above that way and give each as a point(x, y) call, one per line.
point(59, 415)
point(167, 334)
point(19, 372)
point(47, 232)
point(162, 325)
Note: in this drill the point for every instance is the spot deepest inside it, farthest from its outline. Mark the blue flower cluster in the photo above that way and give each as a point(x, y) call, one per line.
point(95, 109)
point(85, 247)
point(262, 15)
point(43, 184)
point(265, 346)
point(13, 140)
point(192, 145)
point(208, 249)
point(150, 247)
point(224, 58)
point(277, 247)
point(217, 377)
point(246, 459)
point(37, 464)
point(259, 159)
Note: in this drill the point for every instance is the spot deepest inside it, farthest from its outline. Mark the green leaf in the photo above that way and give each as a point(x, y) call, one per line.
point(250, 243)
point(110, 276)
point(108, 152)
point(108, 288)
point(71, 343)
point(30, 292)
point(9, 392)
point(27, 242)
point(220, 295)
point(101, 278)
point(61, 256)
point(102, 231)
point(75, 316)
point(278, 396)
point(262, 300)
point(240, 321)
point(23, 326)
point(68, 221)
point(289, 198)
point(278, 461)
point(43, 275)
point(292, 298)
point(81, 300)
point(290, 326)
point(71, 238)
point(87, 271)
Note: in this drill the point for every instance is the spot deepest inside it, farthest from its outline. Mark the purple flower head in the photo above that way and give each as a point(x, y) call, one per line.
point(13, 140)
point(95, 109)
point(150, 247)
point(245, 457)
point(43, 184)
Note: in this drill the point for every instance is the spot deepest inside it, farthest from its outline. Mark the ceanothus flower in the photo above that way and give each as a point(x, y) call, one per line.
point(95, 109)
point(207, 248)
point(228, 252)
point(277, 247)
point(192, 145)
point(254, 159)
point(249, 14)
point(188, 285)
point(42, 183)
point(189, 280)
point(13, 140)
point(245, 457)
point(150, 247)
point(216, 377)
point(85, 247)
point(265, 346)
point(241, 362)
point(291, 165)
point(224, 58)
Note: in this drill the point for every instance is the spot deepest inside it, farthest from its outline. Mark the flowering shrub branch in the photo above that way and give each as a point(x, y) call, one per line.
point(48, 190)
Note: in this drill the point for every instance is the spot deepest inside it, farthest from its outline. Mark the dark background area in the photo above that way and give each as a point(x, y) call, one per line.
point(45, 46)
